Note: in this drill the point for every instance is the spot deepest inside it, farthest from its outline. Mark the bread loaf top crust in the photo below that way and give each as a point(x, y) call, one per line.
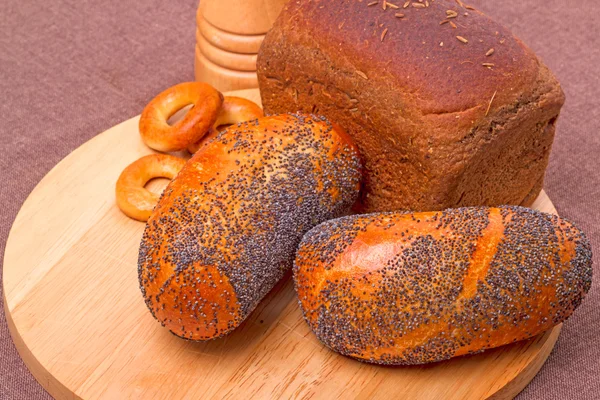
point(437, 128)
point(421, 53)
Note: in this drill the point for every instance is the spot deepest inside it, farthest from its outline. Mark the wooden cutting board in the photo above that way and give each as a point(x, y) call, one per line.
point(78, 319)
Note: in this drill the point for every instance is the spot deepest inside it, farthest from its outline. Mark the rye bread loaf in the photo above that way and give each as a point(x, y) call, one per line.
point(447, 107)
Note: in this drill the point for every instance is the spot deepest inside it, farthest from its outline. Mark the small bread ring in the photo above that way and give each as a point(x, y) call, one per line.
point(233, 111)
point(133, 198)
point(156, 131)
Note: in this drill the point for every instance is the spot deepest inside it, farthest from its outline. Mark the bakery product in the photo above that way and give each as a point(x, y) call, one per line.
point(447, 107)
point(226, 228)
point(403, 289)
point(133, 199)
point(154, 125)
point(233, 111)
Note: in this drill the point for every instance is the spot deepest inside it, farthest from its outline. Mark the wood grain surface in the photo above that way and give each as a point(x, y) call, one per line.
point(228, 36)
point(79, 321)
point(243, 44)
point(224, 79)
point(225, 60)
point(243, 17)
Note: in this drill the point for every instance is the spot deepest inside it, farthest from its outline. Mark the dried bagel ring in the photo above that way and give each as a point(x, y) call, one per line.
point(156, 131)
point(233, 111)
point(133, 198)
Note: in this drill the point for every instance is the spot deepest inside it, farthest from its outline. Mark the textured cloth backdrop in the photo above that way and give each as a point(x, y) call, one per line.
point(70, 69)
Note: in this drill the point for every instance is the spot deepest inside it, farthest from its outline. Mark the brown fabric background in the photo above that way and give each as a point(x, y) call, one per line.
point(70, 69)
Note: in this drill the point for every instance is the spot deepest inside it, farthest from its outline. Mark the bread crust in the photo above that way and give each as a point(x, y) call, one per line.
point(436, 128)
point(404, 289)
point(226, 228)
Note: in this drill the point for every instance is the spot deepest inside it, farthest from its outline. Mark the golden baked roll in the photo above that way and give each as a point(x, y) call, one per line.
point(226, 228)
point(404, 289)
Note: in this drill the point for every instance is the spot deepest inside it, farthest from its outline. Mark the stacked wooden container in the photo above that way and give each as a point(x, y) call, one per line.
point(228, 36)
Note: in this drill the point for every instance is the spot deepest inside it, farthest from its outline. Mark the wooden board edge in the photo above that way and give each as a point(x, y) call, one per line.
point(508, 391)
point(51, 384)
point(34, 192)
point(58, 390)
point(511, 389)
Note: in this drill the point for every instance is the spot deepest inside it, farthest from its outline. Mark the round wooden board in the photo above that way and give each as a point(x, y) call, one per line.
point(78, 319)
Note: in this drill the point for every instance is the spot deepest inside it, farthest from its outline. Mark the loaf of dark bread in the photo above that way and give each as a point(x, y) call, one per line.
point(399, 288)
point(227, 227)
point(447, 107)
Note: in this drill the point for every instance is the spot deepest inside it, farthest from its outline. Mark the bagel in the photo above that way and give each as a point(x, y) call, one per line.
point(233, 111)
point(133, 198)
point(154, 127)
